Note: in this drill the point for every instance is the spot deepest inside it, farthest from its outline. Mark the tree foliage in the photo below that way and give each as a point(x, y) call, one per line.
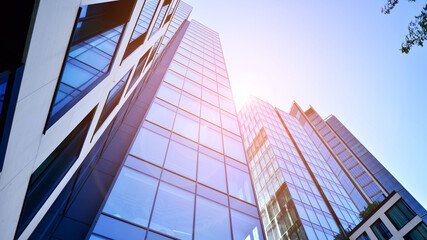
point(341, 236)
point(368, 209)
point(417, 29)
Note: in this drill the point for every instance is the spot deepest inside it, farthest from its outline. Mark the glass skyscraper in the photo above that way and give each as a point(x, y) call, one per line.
point(309, 182)
point(363, 176)
point(185, 175)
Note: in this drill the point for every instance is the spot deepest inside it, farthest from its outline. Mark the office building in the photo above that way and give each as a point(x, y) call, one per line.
point(124, 127)
point(303, 189)
point(348, 157)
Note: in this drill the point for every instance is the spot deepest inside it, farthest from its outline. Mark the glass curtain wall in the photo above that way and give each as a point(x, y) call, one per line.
point(186, 174)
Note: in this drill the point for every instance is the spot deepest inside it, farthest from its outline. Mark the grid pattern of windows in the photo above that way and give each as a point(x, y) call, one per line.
point(144, 19)
point(187, 166)
point(340, 201)
point(354, 167)
point(291, 204)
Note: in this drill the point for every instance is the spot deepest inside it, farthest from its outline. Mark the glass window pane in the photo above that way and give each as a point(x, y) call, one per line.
point(161, 115)
point(234, 147)
point(174, 79)
point(212, 220)
point(173, 212)
point(182, 160)
point(169, 94)
point(187, 127)
point(132, 197)
point(210, 136)
point(150, 146)
point(192, 88)
point(239, 184)
point(245, 227)
point(230, 123)
point(210, 113)
point(210, 97)
point(211, 172)
point(115, 229)
point(190, 104)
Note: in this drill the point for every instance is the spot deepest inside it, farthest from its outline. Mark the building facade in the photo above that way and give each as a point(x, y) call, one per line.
point(80, 69)
point(392, 219)
point(352, 163)
point(125, 128)
point(185, 175)
point(305, 190)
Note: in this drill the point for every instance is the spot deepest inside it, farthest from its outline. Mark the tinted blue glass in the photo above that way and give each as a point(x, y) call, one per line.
point(210, 136)
point(173, 212)
point(239, 184)
point(144, 19)
point(212, 173)
point(115, 229)
point(150, 147)
point(86, 62)
point(212, 220)
point(234, 148)
point(161, 115)
point(132, 197)
point(182, 160)
point(187, 127)
point(245, 226)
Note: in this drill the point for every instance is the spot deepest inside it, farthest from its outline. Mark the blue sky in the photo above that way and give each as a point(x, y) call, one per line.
point(341, 57)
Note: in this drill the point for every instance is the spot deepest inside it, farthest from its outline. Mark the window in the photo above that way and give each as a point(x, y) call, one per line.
point(115, 229)
point(363, 236)
point(138, 70)
point(132, 197)
point(210, 136)
point(160, 17)
point(162, 114)
point(91, 51)
point(48, 175)
point(418, 233)
point(113, 99)
point(400, 214)
point(239, 184)
point(187, 126)
point(140, 31)
point(212, 220)
point(150, 147)
point(173, 212)
point(245, 226)
point(211, 172)
point(181, 160)
point(233, 147)
point(380, 230)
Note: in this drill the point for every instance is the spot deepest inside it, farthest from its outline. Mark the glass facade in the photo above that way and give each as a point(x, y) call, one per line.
point(365, 173)
point(298, 194)
point(186, 174)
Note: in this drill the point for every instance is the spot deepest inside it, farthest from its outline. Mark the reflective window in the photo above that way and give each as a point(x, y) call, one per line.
point(211, 172)
point(245, 226)
point(190, 104)
point(161, 114)
point(144, 19)
point(160, 17)
point(192, 88)
point(187, 126)
point(230, 123)
point(132, 197)
point(90, 55)
point(182, 160)
point(210, 113)
point(210, 136)
point(418, 233)
point(233, 147)
point(195, 76)
point(210, 96)
point(212, 220)
point(239, 184)
point(380, 230)
point(150, 147)
point(400, 214)
point(173, 212)
point(169, 94)
point(174, 79)
point(363, 236)
point(115, 229)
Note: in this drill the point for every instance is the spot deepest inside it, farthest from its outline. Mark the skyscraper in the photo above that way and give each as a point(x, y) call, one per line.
point(185, 175)
point(125, 127)
point(336, 142)
point(304, 191)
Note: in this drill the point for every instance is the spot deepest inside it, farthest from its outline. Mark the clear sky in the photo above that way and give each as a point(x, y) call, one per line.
point(341, 57)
